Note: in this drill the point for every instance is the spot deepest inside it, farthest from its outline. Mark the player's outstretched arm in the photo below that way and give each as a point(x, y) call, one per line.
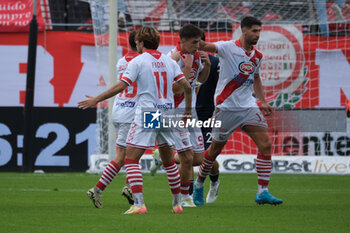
point(92, 101)
point(205, 46)
point(259, 93)
point(188, 97)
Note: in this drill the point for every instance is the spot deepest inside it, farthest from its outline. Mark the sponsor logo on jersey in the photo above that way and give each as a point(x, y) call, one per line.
point(122, 67)
point(163, 106)
point(128, 104)
point(243, 80)
point(246, 67)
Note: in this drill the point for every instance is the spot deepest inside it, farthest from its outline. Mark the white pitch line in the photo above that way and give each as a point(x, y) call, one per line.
point(48, 190)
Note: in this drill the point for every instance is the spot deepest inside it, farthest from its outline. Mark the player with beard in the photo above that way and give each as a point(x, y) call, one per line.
point(236, 106)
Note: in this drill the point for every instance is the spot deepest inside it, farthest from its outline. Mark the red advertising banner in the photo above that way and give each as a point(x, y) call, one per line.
point(15, 15)
point(67, 69)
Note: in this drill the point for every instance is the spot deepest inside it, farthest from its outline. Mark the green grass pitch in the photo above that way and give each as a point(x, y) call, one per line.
point(57, 202)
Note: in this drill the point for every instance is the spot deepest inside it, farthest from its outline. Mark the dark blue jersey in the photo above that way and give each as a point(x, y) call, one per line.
point(205, 98)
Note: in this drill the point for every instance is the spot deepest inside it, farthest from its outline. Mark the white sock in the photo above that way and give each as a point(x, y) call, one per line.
point(176, 199)
point(185, 196)
point(262, 188)
point(138, 198)
point(199, 183)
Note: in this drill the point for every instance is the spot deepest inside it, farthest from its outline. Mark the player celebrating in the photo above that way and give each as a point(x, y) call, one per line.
point(196, 67)
point(122, 115)
point(236, 106)
point(154, 74)
point(205, 108)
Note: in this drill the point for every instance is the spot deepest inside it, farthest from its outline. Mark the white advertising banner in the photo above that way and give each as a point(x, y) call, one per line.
point(287, 164)
point(246, 164)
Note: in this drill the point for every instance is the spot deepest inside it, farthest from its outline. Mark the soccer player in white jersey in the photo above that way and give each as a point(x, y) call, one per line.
point(196, 67)
point(154, 74)
point(122, 115)
point(236, 106)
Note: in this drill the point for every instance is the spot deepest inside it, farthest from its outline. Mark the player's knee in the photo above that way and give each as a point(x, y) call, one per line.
point(265, 147)
point(186, 158)
point(119, 160)
point(197, 159)
point(189, 158)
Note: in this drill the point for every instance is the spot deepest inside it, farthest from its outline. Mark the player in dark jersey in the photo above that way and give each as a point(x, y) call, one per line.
point(205, 107)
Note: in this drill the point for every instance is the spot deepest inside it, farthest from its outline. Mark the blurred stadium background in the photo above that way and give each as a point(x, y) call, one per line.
point(306, 69)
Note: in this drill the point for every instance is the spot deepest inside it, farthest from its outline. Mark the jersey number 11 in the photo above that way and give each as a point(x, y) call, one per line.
point(165, 84)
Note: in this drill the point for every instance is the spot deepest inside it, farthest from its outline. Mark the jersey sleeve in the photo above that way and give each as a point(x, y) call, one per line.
point(220, 48)
point(131, 72)
point(178, 74)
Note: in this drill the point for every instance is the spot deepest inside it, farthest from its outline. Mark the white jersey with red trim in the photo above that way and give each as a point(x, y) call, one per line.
point(237, 68)
point(197, 67)
point(154, 73)
point(124, 105)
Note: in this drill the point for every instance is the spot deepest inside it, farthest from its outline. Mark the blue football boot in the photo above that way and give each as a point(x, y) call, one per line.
point(266, 198)
point(198, 195)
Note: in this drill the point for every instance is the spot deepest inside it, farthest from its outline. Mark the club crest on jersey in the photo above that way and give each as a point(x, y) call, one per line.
point(246, 67)
point(193, 75)
point(185, 142)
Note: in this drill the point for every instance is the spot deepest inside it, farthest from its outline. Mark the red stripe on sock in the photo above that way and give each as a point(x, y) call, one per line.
point(185, 187)
point(264, 156)
point(134, 175)
point(207, 156)
point(130, 161)
point(108, 175)
point(100, 185)
point(263, 168)
point(206, 166)
point(116, 166)
point(173, 177)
